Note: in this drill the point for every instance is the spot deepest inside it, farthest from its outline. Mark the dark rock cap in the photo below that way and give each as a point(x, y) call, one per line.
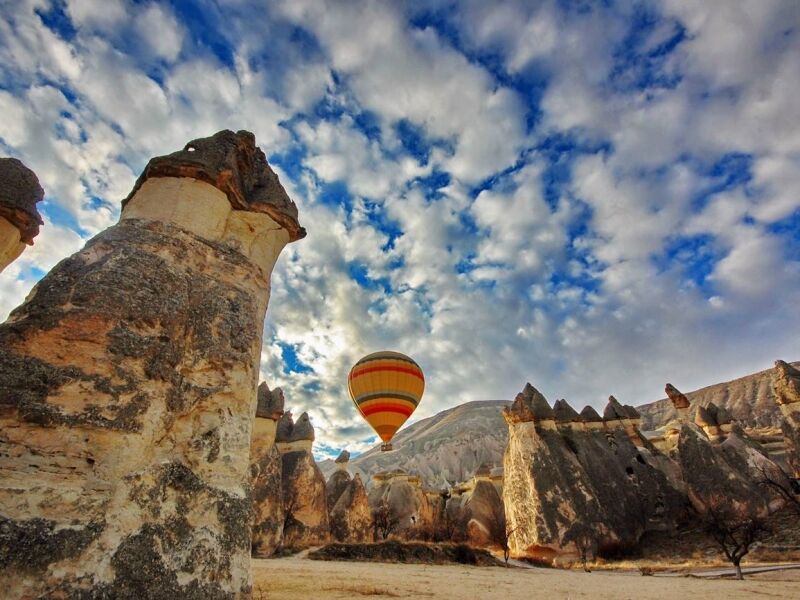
point(233, 164)
point(19, 193)
point(270, 403)
point(529, 405)
point(678, 399)
point(614, 411)
point(343, 457)
point(632, 412)
point(705, 417)
point(283, 432)
point(303, 429)
point(564, 412)
point(483, 471)
point(590, 415)
point(786, 383)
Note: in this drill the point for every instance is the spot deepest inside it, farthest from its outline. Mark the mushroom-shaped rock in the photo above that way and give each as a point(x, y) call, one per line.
point(232, 163)
point(723, 417)
point(564, 413)
point(129, 381)
point(678, 399)
point(270, 402)
point(484, 470)
point(19, 219)
point(344, 457)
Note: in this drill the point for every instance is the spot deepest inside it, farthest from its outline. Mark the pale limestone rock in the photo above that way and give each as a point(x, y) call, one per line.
point(409, 507)
point(128, 390)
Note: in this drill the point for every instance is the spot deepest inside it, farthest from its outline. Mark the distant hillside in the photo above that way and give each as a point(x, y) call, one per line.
point(448, 446)
point(749, 399)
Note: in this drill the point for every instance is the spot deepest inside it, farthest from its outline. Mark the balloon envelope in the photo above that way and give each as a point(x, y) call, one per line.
point(386, 388)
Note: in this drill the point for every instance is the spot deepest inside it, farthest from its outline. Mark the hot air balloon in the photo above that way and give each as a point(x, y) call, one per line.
point(386, 388)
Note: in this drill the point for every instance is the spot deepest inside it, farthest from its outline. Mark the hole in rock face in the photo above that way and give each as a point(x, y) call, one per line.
point(191, 148)
point(629, 470)
point(640, 459)
point(90, 460)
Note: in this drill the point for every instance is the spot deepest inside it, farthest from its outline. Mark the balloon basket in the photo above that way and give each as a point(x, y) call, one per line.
point(386, 447)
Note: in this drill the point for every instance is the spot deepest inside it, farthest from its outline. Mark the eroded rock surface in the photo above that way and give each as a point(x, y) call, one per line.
point(475, 511)
point(19, 219)
point(266, 469)
point(588, 473)
point(350, 515)
point(128, 389)
point(786, 385)
point(406, 506)
point(304, 494)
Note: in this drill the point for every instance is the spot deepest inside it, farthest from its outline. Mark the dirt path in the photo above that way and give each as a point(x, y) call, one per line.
point(294, 578)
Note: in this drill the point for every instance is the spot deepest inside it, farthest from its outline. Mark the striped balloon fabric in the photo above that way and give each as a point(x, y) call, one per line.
point(386, 388)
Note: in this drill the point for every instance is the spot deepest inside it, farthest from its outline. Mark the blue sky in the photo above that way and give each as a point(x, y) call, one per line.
point(593, 197)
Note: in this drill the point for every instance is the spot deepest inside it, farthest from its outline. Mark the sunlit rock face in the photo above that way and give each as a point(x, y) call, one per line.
point(266, 470)
point(19, 219)
point(305, 504)
point(128, 388)
point(559, 475)
point(786, 385)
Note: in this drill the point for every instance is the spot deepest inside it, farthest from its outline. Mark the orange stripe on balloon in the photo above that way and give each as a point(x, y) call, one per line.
point(365, 370)
point(376, 408)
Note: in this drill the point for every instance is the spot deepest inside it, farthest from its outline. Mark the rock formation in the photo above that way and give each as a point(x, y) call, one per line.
point(266, 469)
point(727, 472)
point(403, 502)
point(19, 219)
point(128, 387)
point(594, 477)
point(339, 480)
point(475, 511)
point(786, 385)
point(350, 515)
point(304, 498)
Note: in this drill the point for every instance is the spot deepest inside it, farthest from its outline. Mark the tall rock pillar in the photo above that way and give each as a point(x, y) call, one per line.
point(786, 385)
point(266, 468)
point(128, 388)
point(19, 219)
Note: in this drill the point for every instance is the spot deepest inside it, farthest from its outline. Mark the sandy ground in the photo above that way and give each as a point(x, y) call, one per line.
point(296, 578)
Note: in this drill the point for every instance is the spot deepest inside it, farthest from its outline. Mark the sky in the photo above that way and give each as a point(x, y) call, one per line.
point(596, 197)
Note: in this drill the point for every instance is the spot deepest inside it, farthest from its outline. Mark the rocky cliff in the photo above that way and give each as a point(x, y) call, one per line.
point(562, 471)
point(750, 400)
point(128, 388)
point(19, 220)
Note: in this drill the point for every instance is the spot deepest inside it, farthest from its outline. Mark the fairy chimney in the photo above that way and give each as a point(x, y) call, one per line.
point(19, 219)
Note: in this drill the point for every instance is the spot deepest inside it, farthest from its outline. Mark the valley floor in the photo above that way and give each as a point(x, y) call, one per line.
point(295, 578)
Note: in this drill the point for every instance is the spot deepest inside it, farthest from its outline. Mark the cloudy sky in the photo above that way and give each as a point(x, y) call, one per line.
point(596, 197)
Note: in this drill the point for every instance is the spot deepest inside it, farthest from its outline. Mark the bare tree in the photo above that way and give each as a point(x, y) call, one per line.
point(500, 530)
point(734, 531)
point(384, 520)
point(584, 537)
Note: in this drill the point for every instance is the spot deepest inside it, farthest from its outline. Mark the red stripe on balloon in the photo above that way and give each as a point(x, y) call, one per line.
point(376, 408)
point(365, 370)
